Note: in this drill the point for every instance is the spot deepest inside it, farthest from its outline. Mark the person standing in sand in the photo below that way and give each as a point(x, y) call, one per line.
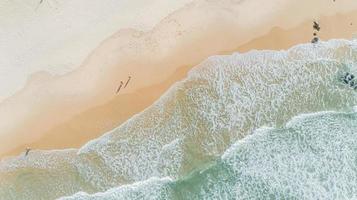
point(27, 151)
point(127, 81)
point(121, 84)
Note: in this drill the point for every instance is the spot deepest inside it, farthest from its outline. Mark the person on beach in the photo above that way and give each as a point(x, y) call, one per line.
point(121, 84)
point(27, 151)
point(127, 81)
point(315, 40)
point(316, 26)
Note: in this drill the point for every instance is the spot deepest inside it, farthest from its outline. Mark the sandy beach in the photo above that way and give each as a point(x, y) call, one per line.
point(54, 112)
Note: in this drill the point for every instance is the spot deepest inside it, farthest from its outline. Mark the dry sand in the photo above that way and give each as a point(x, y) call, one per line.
point(67, 111)
point(56, 36)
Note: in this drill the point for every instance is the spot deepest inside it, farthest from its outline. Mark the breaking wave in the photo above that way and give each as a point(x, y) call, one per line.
point(312, 157)
point(213, 112)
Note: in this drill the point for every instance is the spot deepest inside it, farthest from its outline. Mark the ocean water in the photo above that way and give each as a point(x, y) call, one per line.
point(236, 128)
point(313, 156)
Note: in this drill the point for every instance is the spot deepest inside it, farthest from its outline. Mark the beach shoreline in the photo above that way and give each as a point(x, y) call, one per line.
point(74, 128)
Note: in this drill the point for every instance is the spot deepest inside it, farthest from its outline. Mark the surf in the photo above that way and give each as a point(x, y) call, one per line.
point(304, 159)
point(221, 102)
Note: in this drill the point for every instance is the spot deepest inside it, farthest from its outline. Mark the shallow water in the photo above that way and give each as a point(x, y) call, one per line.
point(312, 157)
point(198, 141)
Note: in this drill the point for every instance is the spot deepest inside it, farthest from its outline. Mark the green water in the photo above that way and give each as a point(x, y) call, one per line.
point(312, 157)
point(203, 139)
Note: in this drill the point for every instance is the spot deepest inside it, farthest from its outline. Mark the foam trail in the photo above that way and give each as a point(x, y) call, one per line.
point(41, 175)
point(223, 100)
point(151, 189)
point(312, 157)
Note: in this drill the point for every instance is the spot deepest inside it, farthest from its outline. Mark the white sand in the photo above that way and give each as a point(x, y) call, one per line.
point(59, 34)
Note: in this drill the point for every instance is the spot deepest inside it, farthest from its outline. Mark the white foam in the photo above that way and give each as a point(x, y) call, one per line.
point(223, 100)
point(226, 93)
point(151, 189)
point(312, 158)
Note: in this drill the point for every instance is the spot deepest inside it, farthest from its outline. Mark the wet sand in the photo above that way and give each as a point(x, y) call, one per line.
point(67, 111)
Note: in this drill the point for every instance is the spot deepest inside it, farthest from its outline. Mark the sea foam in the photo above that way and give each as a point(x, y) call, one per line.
point(222, 100)
point(312, 157)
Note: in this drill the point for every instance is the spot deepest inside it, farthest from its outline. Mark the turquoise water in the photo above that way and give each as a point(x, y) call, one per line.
point(312, 157)
point(205, 137)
